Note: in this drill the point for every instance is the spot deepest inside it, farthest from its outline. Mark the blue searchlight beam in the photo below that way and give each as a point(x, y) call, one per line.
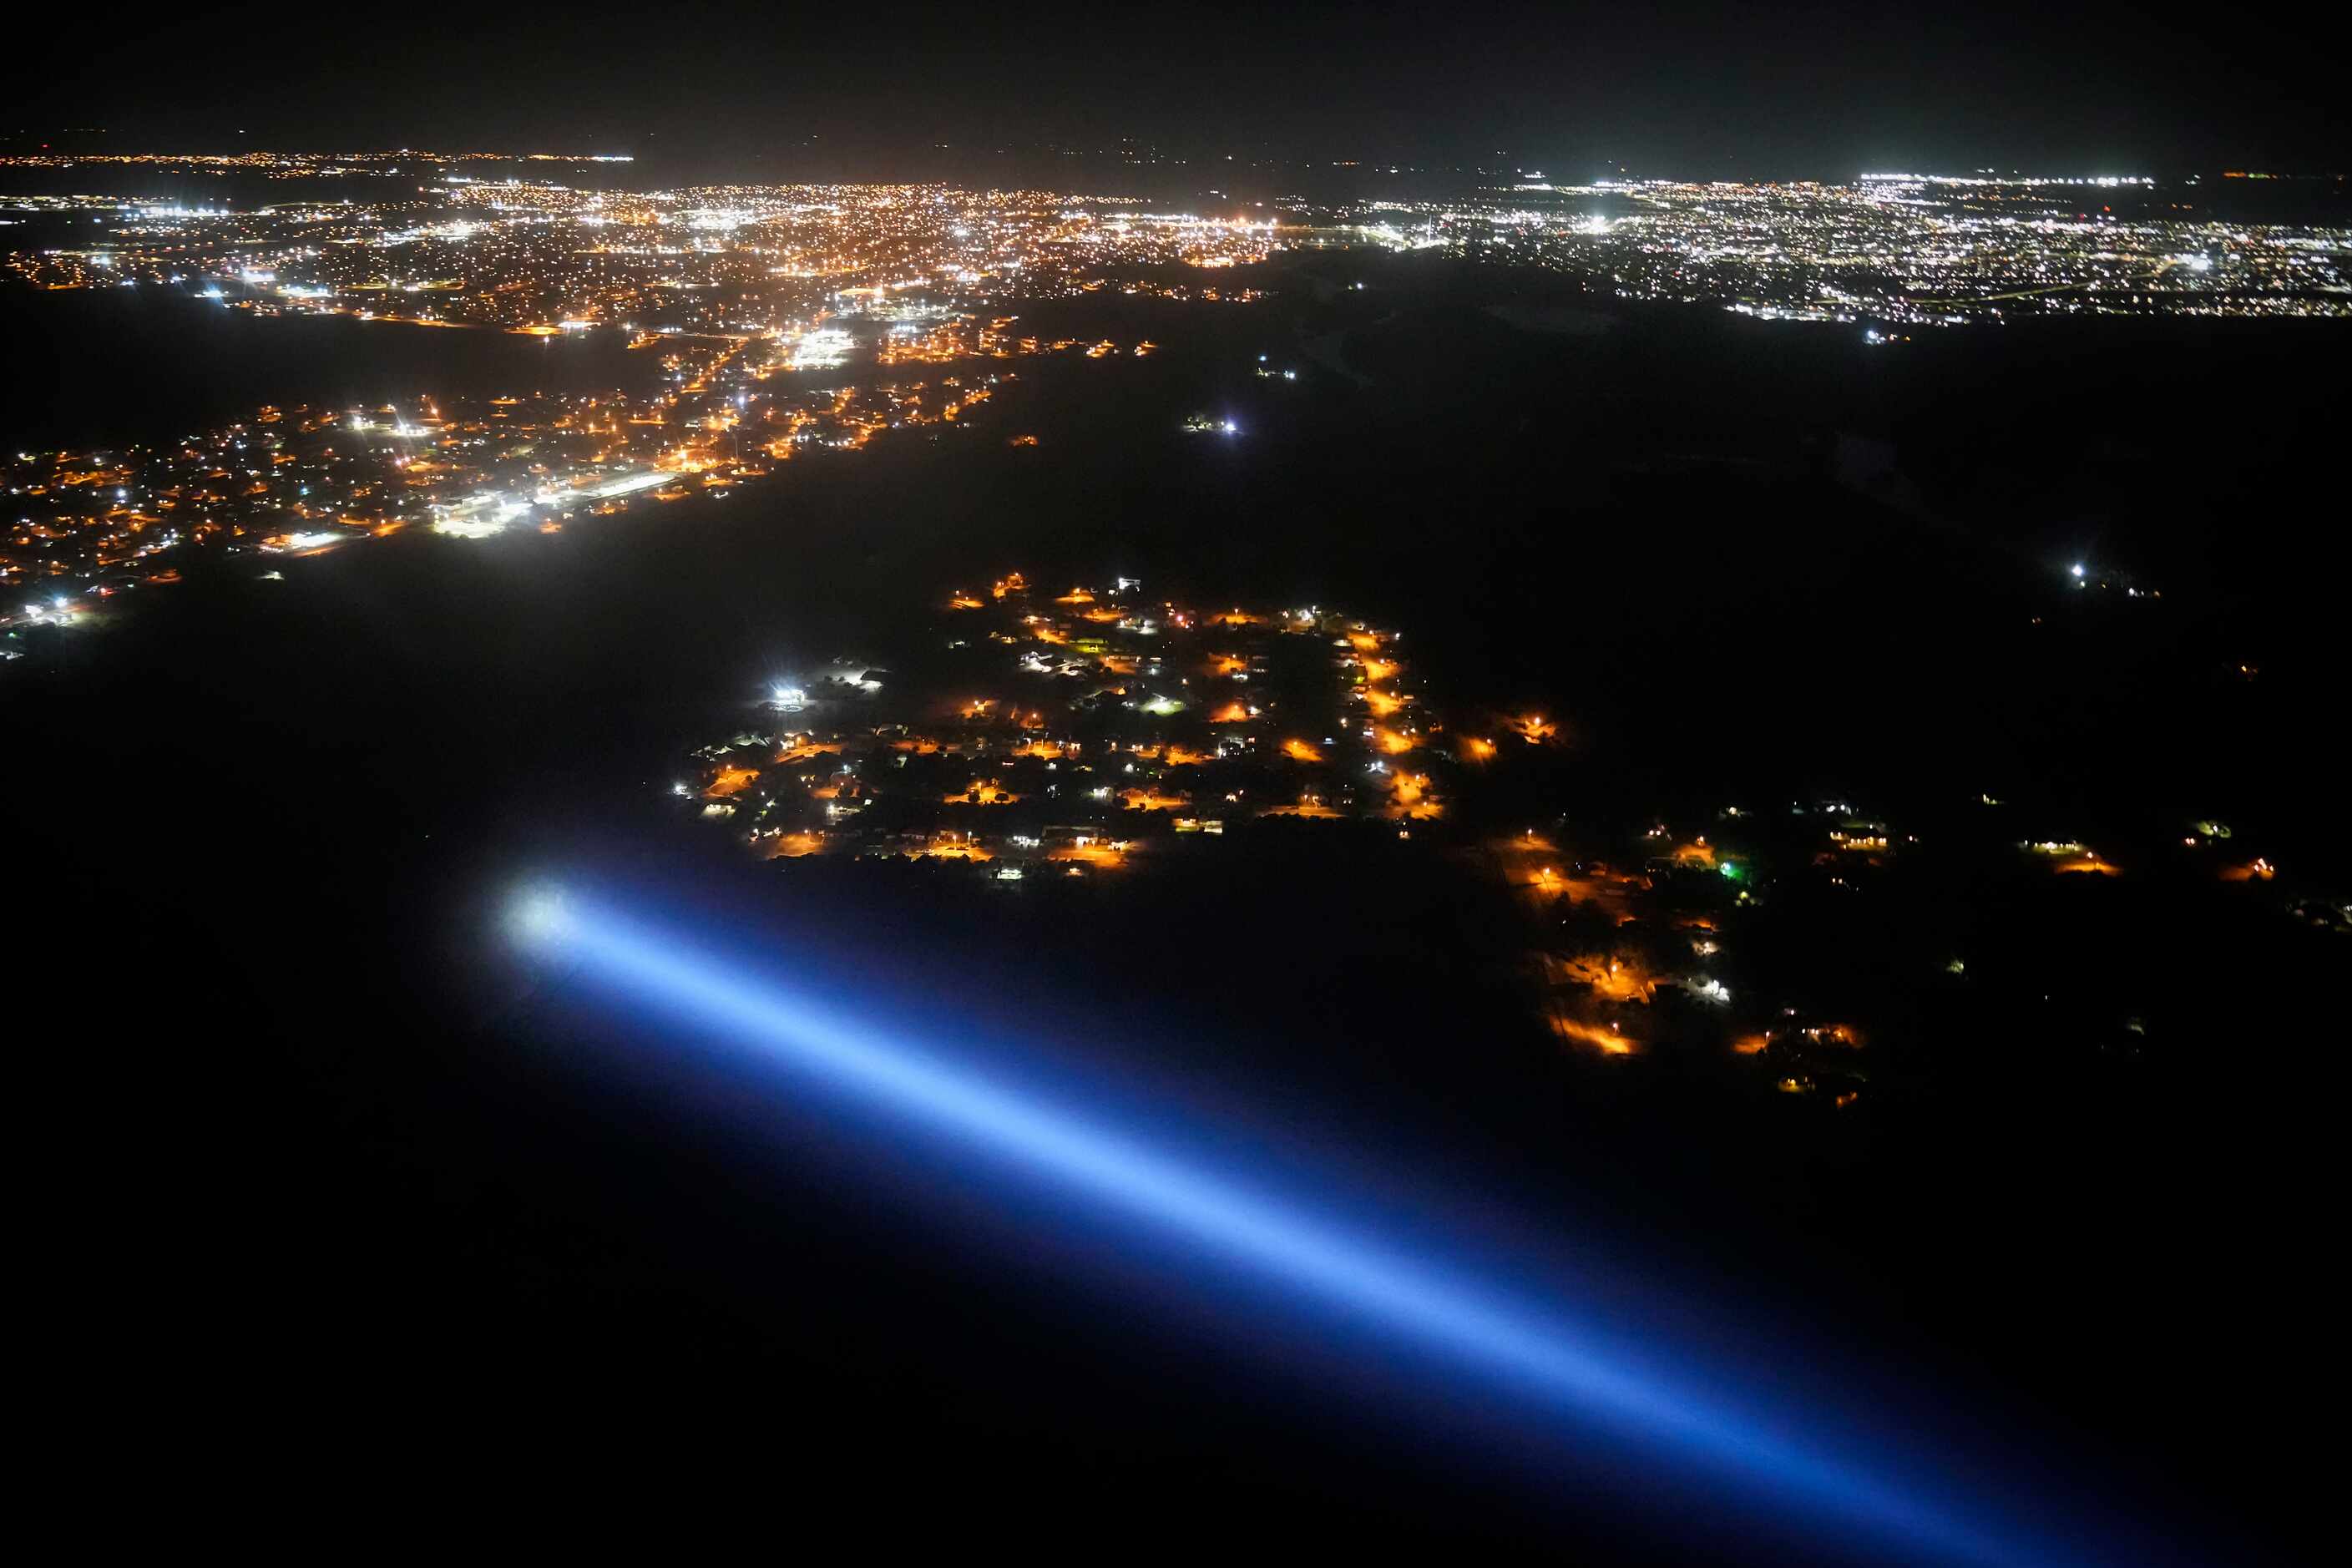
point(1523, 1348)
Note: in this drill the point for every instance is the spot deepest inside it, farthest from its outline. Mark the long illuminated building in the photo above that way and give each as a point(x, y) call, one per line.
point(1846, 1496)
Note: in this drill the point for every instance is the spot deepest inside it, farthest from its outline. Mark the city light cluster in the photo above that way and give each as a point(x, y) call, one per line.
point(1912, 250)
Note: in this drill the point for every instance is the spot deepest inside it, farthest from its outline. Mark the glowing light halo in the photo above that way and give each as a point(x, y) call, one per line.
point(1524, 1346)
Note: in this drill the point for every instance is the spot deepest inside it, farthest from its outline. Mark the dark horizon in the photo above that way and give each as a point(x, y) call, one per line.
point(1690, 91)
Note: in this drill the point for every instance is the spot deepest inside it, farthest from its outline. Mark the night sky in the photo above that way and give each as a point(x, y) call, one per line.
point(1675, 90)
